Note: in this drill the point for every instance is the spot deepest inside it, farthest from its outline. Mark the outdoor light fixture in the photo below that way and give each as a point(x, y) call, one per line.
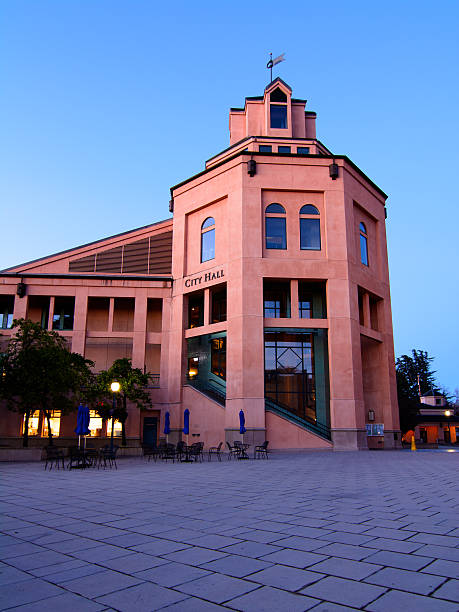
point(115, 386)
point(251, 167)
point(334, 172)
point(447, 413)
point(21, 289)
point(371, 415)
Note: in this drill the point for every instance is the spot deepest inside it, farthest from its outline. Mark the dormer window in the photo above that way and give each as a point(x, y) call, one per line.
point(278, 116)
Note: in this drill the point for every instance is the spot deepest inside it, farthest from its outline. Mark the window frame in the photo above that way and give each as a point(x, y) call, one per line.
point(363, 239)
point(208, 229)
point(280, 216)
point(310, 218)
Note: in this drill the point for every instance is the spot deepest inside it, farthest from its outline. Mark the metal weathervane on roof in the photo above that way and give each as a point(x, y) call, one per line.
point(272, 62)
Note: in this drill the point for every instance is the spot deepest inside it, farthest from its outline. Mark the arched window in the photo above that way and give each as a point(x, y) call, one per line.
point(208, 239)
point(275, 227)
point(363, 244)
point(309, 228)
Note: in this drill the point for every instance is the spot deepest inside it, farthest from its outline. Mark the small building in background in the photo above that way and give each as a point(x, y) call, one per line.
point(267, 292)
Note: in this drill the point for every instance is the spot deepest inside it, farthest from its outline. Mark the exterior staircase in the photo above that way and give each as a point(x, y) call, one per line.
point(316, 428)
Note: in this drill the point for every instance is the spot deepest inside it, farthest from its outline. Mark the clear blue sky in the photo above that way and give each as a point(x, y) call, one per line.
point(104, 104)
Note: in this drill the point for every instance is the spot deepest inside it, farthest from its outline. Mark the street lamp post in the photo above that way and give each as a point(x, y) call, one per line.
point(115, 387)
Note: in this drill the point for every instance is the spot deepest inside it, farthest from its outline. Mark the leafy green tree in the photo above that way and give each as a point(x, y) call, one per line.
point(133, 382)
point(40, 373)
point(414, 376)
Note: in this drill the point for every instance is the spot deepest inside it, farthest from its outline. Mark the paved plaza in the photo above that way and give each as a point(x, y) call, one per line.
point(315, 531)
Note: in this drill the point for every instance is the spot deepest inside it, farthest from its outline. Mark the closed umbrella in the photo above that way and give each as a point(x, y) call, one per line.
point(242, 428)
point(186, 424)
point(167, 426)
point(82, 428)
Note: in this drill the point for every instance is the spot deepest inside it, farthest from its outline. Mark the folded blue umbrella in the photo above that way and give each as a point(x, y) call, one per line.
point(82, 428)
point(186, 422)
point(167, 424)
point(242, 428)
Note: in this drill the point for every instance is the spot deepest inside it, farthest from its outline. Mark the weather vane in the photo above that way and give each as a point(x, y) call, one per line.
point(272, 62)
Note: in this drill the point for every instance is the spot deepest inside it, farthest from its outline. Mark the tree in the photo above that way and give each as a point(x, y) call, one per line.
point(40, 373)
point(414, 377)
point(132, 388)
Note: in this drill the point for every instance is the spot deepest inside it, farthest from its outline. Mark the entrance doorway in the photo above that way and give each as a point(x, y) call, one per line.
point(150, 431)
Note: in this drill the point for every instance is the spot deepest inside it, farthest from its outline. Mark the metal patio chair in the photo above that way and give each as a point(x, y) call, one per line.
point(261, 451)
point(215, 450)
point(54, 456)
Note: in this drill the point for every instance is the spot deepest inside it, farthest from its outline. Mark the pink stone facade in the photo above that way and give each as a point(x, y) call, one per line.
point(233, 307)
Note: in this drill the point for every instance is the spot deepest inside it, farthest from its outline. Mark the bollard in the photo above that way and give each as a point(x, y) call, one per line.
point(413, 443)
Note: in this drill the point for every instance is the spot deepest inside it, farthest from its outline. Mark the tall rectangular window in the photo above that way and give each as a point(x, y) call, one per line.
point(310, 234)
point(363, 250)
point(6, 311)
point(218, 305)
point(218, 357)
point(276, 299)
point(195, 310)
point(64, 308)
point(311, 300)
point(278, 116)
point(276, 233)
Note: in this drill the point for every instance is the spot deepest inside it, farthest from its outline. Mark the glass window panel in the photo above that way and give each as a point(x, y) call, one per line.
point(310, 234)
point(309, 209)
point(302, 150)
point(265, 148)
point(117, 429)
point(34, 423)
point(218, 357)
point(55, 422)
point(282, 149)
point(275, 208)
point(208, 222)
point(6, 311)
point(363, 228)
point(363, 250)
point(276, 237)
point(208, 245)
point(278, 116)
point(64, 308)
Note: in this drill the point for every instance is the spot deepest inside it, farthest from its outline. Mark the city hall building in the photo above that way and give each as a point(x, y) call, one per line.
point(267, 291)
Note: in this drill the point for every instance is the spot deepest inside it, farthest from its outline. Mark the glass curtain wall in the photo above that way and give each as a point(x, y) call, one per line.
point(296, 372)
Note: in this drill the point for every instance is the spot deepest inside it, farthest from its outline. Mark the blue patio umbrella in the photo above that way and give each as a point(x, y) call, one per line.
point(242, 428)
point(82, 428)
point(167, 425)
point(186, 422)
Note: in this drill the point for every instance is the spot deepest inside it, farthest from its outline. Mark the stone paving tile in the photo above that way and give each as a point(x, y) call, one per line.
point(415, 582)
point(450, 591)
point(348, 527)
point(268, 599)
point(258, 535)
point(193, 604)
point(172, 574)
point(294, 558)
point(299, 543)
point(392, 534)
point(133, 562)
point(29, 562)
point(17, 550)
point(159, 547)
point(331, 607)
point(284, 577)
point(46, 570)
point(62, 603)
point(71, 545)
point(439, 552)
point(345, 568)
point(347, 551)
point(9, 575)
point(217, 588)
point(400, 560)
point(127, 540)
point(195, 555)
point(437, 540)
point(342, 591)
point(234, 565)
point(342, 537)
point(141, 598)
point(102, 552)
point(100, 583)
point(27, 591)
point(449, 569)
point(60, 577)
point(214, 541)
point(250, 549)
point(394, 545)
point(409, 602)
point(427, 527)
